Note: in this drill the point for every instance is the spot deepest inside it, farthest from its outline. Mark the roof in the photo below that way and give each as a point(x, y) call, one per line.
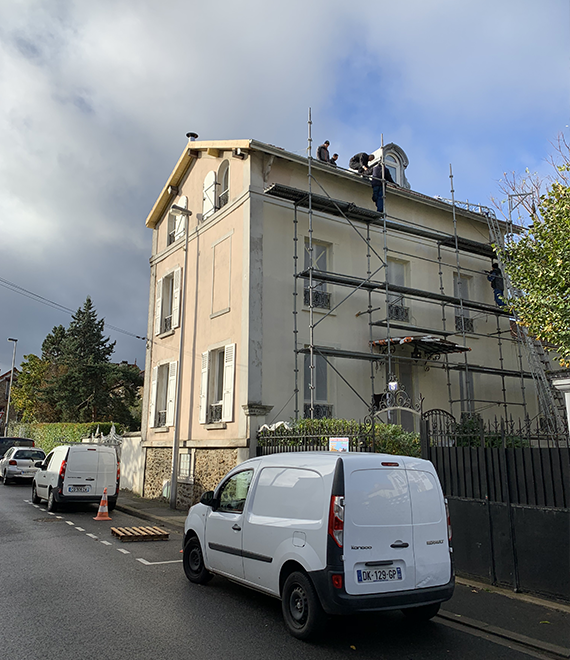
point(193, 149)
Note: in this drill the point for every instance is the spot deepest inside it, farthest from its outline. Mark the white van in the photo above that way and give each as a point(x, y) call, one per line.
point(77, 473)
point(327, 533)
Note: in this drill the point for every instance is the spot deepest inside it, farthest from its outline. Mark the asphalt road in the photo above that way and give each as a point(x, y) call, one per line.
point(69, 589)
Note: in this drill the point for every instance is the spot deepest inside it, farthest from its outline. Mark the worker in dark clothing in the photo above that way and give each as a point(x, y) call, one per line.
point(359, 162)
point(323, 152)
point(333, 160)
point(497, 284)
point(377, 187)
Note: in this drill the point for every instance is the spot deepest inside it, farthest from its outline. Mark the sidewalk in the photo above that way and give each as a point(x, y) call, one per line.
point(514, 616)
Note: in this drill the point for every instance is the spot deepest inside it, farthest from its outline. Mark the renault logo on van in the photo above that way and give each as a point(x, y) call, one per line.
point(434, 542)
point(361, 547)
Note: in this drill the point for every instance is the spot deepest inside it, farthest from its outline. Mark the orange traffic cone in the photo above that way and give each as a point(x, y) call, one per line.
point(103, 513)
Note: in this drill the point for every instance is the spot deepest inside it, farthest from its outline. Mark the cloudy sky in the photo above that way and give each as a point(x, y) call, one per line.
point(96, 98)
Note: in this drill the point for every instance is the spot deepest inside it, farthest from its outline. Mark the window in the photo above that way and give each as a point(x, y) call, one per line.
point(209, 196)
point(322, 409)
point(217, 385)
point(176, 223)
point(163, 395)
point(393, 165)
point(321, 297)
point(167, 310)
point(396, 274)
point(462, 321)
point(233, 492)
point(223, 184)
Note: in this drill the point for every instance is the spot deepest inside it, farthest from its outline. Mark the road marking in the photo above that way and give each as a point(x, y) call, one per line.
point(80, 529)
point(106, 543)
point(69, 522)
point(154, 563)
point(28, 501)
point(50, 513)
point(60, 517)
point(37, 506)
point(92, 536)
point(125, 552)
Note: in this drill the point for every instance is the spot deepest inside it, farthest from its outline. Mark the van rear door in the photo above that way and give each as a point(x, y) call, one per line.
point(378, 537)
point(432, 557)
point(80, 471)
point(107, 471)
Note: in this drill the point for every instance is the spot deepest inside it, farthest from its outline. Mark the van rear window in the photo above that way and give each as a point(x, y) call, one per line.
point(290, 493)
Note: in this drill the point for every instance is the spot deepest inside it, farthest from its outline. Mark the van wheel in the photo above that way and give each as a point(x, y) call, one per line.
point(302, 610)
point(422, 613)
point(36, 499)
point(51, 503)
point(193, 562)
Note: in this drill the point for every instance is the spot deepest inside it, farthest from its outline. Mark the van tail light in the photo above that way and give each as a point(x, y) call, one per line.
point(12, 463)
point(337, 580)
point(336, 519)
point(449, 532)
point(62, 470)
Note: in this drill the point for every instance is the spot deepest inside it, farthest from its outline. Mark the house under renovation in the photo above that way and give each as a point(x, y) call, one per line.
point(277, 292)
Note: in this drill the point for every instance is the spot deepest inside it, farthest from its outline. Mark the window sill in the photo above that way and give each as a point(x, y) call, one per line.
point(215, 426)
point(168, 333)
point(161, 429)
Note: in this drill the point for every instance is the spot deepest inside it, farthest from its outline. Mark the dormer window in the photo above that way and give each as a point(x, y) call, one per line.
point(395, 161)
point(394, 166)
point(176, 223)
point(224, 184)
point(216, 190)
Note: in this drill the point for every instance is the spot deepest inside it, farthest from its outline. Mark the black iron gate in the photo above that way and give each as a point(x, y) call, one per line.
point(509, 497)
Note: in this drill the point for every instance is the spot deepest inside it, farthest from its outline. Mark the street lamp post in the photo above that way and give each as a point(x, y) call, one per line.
point(15, 341)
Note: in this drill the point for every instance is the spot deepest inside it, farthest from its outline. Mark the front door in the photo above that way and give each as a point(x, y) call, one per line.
point(224, 526)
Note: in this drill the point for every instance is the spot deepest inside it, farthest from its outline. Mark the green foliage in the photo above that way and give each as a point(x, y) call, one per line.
point(467, 433)
point(385, 438)
point(538, 263)
point(75, 381)
point(48, 436)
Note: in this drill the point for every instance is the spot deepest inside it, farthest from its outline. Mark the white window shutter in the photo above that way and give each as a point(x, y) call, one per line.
point(209, 199)
point(177, 277)
point(158, 307)
point(180, 220)
point(203, 418)
point(229, 371)
point(171, 394)
point(152, 400)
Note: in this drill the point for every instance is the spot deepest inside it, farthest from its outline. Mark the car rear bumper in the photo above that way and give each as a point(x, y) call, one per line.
point(337, 601)
point(61, 498)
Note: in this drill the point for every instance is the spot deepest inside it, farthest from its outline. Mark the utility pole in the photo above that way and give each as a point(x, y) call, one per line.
point(15, 341)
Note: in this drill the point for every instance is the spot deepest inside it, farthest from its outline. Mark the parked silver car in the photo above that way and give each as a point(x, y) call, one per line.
point(20, 463)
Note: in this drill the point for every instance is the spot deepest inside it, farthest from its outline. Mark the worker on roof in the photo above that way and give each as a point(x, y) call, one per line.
point(333, 160)
point(359, 162)
point(379, 174)
point(323, 152)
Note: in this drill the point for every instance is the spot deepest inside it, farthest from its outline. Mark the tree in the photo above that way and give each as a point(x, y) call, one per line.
point(75, 381)
point(537, 261)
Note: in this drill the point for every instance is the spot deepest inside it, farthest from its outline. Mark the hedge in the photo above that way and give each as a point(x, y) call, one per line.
point(48, 436)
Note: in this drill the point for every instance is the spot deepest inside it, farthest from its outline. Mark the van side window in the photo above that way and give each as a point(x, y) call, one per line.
point(234, 492)
point(49, 458)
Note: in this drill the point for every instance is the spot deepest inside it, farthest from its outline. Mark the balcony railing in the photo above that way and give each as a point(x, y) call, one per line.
point(398, 312)
point(224, 198)
point(321, 299)
point(161, 418)
point(320, 411)
point(167, 323)
point(464, 324)
point(215, 413)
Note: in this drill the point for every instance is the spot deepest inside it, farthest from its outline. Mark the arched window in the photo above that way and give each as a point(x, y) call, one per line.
point(393, 165)
point(223, 184)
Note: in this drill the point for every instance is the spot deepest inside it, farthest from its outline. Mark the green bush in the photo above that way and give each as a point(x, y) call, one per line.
point(48, 436)
point(385, 438)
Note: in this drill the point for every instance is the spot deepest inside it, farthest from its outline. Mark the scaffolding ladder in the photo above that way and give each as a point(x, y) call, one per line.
point(551, 400)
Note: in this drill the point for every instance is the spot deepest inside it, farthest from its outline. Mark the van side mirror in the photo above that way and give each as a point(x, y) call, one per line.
point(208, 498)
point(40, 464)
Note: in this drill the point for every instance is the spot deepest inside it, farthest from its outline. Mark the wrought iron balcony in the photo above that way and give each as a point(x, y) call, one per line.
point(464, 324)
point(215, 413)
point(397, 312)
point(167, 323)
point(320, 411)
point(321, 299)
point(161, 418)
point(224, 198)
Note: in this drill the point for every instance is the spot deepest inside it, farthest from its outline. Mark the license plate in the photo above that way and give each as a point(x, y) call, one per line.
point(379, 575)
point(79, 489)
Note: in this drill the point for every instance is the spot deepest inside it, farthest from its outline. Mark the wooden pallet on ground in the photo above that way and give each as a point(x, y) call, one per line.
point(126, 534)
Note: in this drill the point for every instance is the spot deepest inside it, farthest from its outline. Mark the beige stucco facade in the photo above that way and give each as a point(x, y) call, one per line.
point(235, 304)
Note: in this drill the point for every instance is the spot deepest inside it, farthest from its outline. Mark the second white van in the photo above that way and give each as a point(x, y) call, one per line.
point(327, 533)
point(77, 473)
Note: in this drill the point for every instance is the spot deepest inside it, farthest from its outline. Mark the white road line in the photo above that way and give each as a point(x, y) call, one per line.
point(69, 522)
point(60, 517)
point(28, 501)
point(50, 513)
point(154, 563)
point(37, 506)
point(125, 552)
point(106, 543)
point(80, 529)
point(92, 536)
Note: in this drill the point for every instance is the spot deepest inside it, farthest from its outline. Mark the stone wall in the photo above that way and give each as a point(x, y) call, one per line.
point(157, 471)
point(209, 468)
